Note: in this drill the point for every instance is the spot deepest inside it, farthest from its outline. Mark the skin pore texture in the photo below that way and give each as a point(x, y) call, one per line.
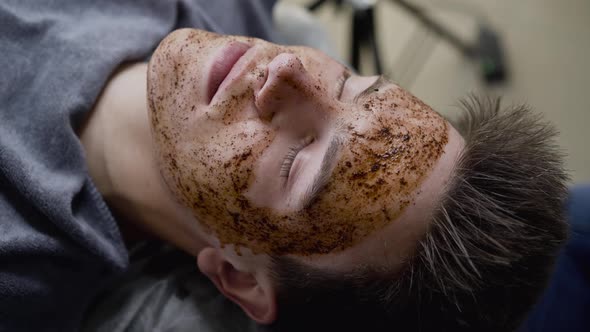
point(285, 155)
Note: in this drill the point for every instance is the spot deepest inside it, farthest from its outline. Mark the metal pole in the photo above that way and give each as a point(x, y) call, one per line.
point(437, 28)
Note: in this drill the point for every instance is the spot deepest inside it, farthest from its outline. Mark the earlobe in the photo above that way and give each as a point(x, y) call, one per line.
point(255, 296)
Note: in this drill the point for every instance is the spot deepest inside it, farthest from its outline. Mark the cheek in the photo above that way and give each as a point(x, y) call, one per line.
point(210, 174)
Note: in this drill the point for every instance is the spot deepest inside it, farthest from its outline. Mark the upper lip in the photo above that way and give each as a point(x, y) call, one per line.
point(233, 53)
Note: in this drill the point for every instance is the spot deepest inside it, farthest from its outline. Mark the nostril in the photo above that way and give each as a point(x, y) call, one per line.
point(265, 80)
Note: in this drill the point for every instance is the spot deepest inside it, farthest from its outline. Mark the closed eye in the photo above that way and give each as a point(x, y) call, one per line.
point(289, 159)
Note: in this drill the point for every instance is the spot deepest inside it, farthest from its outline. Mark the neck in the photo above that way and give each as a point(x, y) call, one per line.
point(122, 163)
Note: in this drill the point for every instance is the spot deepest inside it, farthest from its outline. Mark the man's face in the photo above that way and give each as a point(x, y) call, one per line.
point(283, 150)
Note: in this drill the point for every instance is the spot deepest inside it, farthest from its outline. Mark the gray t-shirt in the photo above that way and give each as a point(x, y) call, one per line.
point(59, 243)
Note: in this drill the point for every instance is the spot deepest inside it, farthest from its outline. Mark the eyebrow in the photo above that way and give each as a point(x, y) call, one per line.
point(321, 178)
point(381, 81)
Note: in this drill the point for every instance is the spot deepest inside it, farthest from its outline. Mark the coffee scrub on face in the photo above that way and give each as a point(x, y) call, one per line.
point(209, 154)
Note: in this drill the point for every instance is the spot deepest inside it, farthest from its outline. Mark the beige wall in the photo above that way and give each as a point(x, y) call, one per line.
point(547, 43)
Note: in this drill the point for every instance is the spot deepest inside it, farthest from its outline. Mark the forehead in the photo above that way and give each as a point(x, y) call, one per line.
point(389, 128)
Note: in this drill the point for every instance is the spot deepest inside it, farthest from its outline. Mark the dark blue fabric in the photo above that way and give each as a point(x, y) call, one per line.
point(565, 305)
point(59, 243)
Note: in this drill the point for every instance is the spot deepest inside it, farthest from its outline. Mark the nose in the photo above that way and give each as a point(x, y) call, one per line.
point(287, 80)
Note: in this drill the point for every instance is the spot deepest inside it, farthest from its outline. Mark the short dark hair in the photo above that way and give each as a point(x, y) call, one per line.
point(485, 258)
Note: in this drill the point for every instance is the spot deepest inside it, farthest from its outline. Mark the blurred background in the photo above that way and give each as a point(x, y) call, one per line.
point(545, 45)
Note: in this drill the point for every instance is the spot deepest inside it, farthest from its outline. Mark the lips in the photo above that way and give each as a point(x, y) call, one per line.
point(223, 64)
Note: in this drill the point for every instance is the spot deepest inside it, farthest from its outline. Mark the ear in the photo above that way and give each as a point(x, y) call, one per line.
point(253, 292)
